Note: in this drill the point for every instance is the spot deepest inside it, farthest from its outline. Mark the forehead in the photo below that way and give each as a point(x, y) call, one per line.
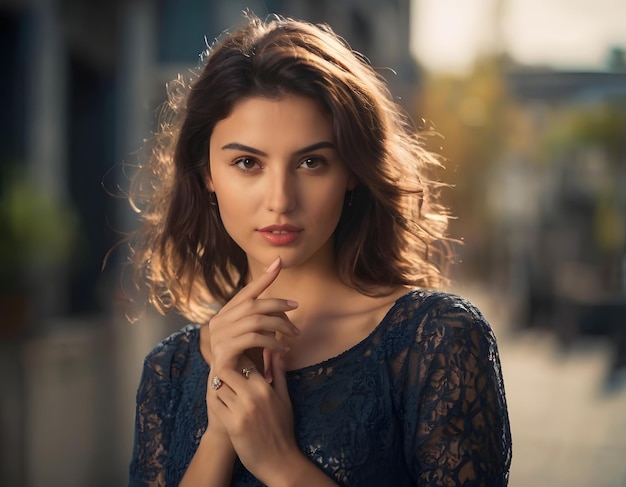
point(290, 116)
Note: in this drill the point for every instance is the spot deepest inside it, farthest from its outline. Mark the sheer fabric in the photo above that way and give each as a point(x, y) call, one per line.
point(419, 402)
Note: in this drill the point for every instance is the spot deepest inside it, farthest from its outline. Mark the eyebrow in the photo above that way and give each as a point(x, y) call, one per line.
point(252, 150)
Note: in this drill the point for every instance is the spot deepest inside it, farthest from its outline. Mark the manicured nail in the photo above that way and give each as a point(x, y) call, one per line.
point(273, 266)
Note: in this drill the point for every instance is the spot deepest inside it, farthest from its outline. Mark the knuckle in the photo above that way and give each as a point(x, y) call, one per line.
point(219, 353)
point(248, 305)
point(214, 323)
point(256, 321)
point(265, 393)
point(251, 407)
point(259, 340)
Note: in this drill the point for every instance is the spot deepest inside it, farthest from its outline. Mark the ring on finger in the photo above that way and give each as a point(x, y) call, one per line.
point(246, 371)
point(216, 383)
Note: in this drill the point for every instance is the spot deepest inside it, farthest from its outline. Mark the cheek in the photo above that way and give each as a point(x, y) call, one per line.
point(233, 212)
point(232, 202)
point(327, 204)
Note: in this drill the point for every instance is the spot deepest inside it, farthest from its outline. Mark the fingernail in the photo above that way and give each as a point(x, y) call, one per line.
point(292, 304)
point(273, 266)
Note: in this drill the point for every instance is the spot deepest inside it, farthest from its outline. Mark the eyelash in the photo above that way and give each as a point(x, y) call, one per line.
point(238, 163)
point(319, 161)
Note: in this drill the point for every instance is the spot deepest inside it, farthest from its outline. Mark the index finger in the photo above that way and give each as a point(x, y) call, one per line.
point(254, 289)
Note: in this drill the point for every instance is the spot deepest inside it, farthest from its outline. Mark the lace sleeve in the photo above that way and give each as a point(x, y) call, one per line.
point(150, 446)
point(456, 415)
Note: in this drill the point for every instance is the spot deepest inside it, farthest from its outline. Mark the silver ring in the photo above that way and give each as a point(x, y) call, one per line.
point(216, 383)
point(246, 371)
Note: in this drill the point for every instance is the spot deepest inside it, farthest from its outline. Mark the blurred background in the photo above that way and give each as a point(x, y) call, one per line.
point(529, 97)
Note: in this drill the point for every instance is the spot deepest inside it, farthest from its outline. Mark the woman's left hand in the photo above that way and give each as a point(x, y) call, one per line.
point(259, 418)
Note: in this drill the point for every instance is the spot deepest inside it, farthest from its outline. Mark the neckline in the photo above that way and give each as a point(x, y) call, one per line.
point(327, 362)
point(330, 360)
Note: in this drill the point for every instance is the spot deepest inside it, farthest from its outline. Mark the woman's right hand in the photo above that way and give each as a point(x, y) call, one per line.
point(248, 323)
point(245, 323)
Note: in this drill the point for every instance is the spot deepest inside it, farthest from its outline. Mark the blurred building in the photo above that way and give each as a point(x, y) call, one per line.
point(82, 81)
point(562, 207)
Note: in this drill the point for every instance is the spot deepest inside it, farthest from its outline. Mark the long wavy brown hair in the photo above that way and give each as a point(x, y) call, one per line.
point(390, 234)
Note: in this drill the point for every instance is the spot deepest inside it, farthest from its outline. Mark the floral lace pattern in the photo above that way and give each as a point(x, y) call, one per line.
point(420, 402)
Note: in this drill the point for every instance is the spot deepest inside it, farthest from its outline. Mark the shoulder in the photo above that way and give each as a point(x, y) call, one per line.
point(439, 317)
point(419, 302)
point(168, 359)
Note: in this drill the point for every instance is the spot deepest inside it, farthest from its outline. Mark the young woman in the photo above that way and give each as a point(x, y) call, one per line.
point(288, 188)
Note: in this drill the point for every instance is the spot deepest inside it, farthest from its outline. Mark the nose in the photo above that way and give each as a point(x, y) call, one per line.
point(281, 191)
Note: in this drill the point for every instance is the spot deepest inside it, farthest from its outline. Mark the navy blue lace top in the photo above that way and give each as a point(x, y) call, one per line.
point(419, 402)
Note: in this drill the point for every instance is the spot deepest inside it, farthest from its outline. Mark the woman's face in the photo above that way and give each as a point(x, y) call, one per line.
point(278, 179)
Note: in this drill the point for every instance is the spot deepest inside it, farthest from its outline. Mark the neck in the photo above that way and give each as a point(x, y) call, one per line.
point(314, 285)
point(322, 298)
point(304, 283)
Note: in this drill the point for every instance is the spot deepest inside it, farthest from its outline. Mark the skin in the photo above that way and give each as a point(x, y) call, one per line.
point(274, 162)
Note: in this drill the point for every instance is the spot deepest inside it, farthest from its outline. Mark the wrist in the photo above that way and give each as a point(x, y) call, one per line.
point(217, 441)
point(300, 471)
point(213, 460)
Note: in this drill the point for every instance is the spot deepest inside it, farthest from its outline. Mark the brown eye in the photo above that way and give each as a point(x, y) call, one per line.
point(246, 163)
point(312, 163)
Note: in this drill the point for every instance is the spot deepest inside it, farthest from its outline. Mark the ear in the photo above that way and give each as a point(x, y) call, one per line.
point(208, 182)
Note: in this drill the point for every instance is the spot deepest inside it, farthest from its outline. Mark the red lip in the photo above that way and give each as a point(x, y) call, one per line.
point(280, 228)
point(280, 234)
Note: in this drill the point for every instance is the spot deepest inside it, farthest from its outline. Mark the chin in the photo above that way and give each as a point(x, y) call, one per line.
point(287, 261)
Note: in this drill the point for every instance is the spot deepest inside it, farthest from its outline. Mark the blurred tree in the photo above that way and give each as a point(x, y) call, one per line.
point(589, 141)
point(37, 233)
point(473, 114)
point(617, 59)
